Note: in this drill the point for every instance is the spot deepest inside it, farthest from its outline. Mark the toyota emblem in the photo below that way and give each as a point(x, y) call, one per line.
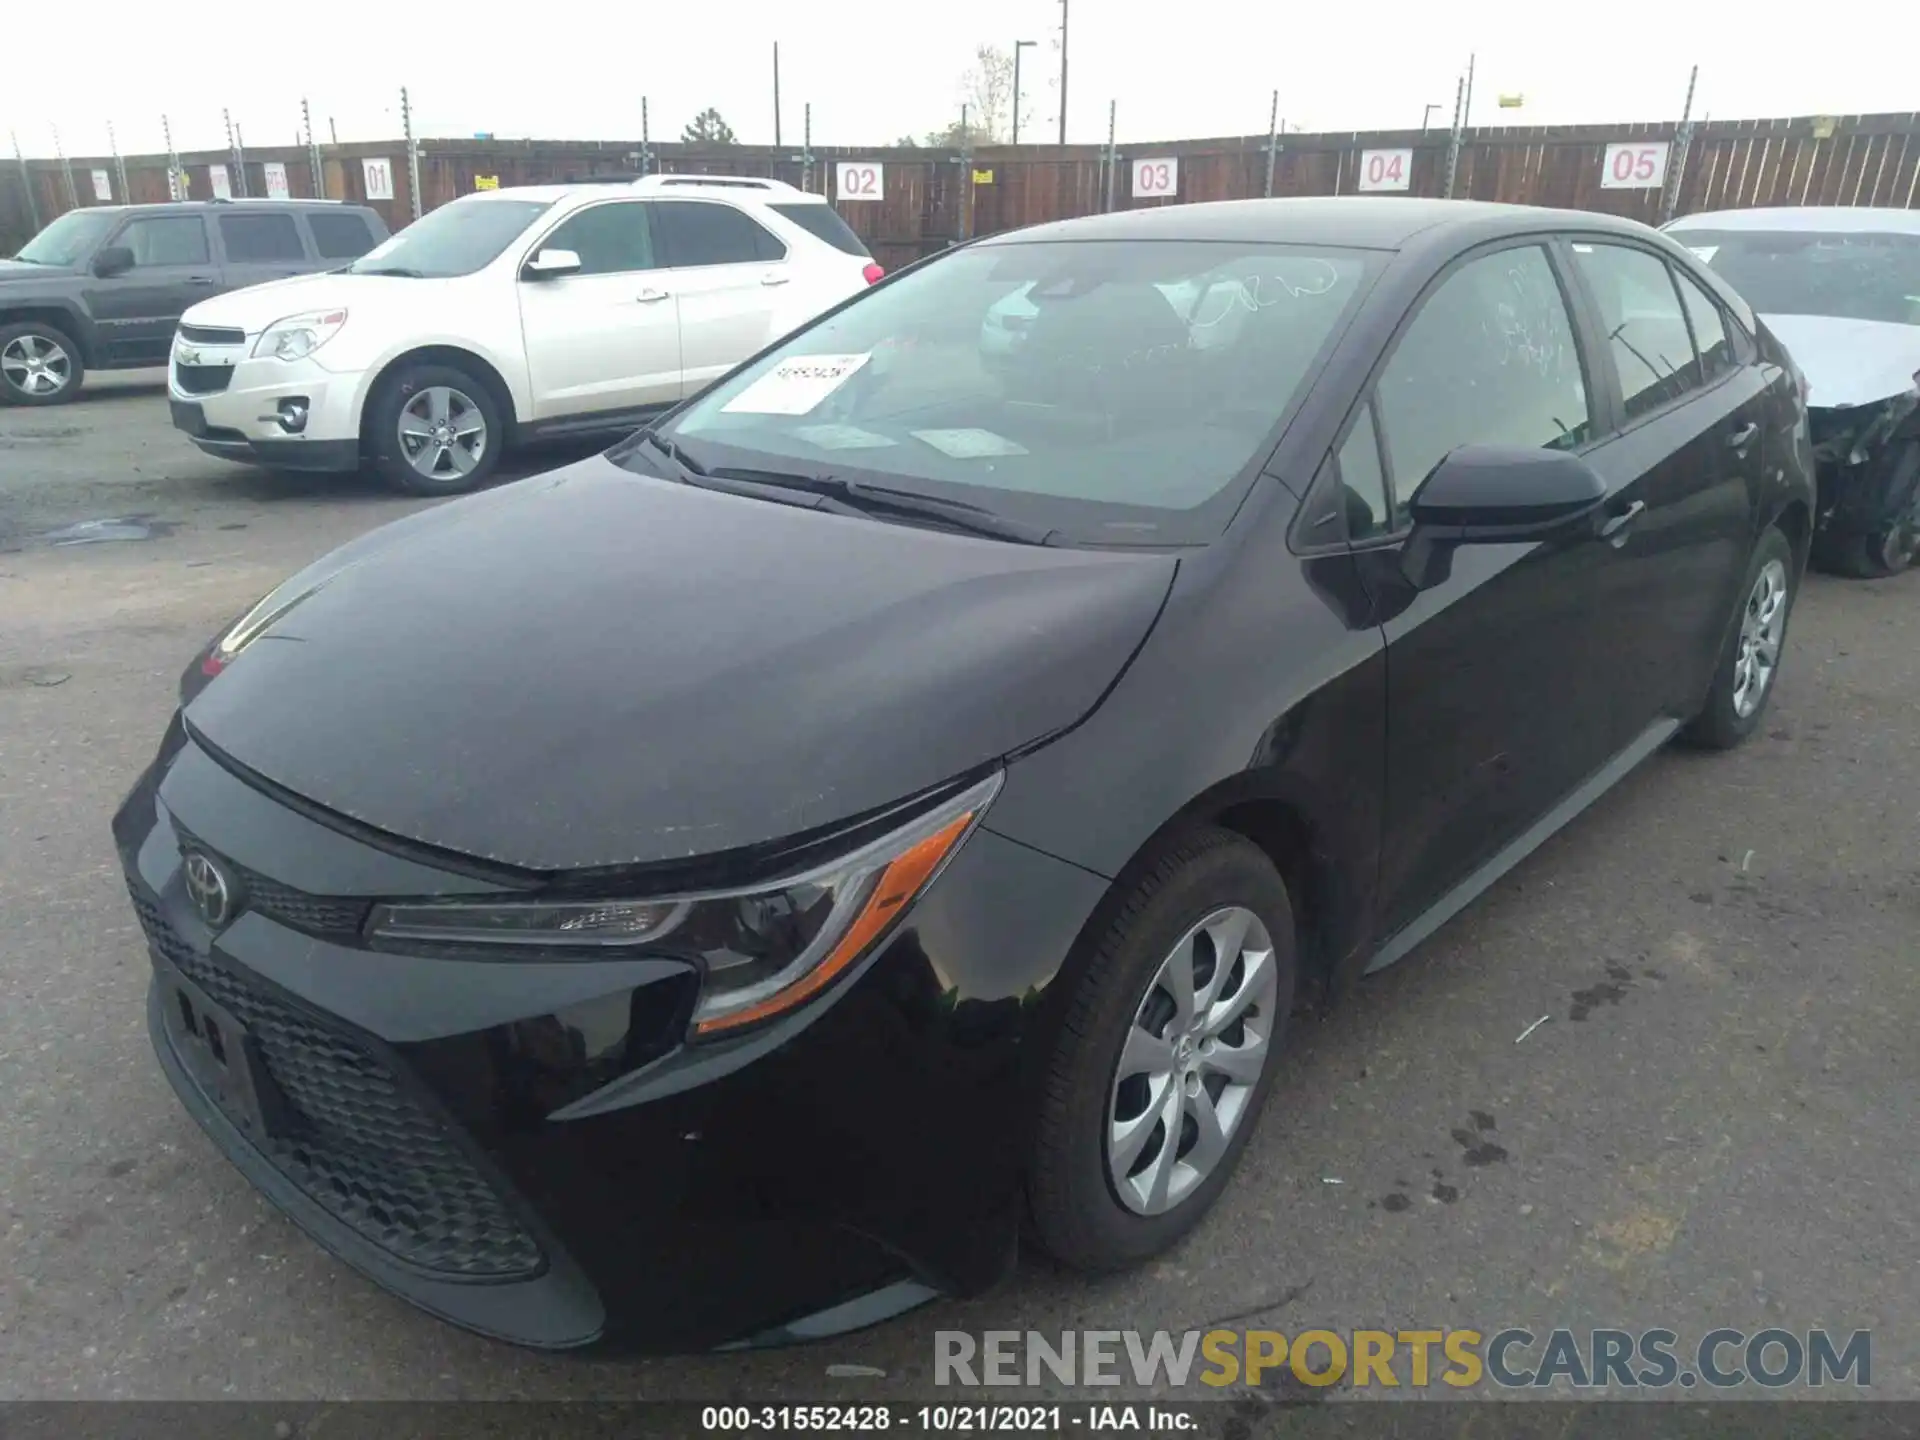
point(209, 889)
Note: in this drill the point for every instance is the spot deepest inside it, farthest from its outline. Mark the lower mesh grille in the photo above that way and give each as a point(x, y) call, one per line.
point(360, 1146)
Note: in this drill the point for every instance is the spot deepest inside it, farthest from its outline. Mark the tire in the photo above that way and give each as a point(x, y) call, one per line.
point(34, 354)
point(425, 395)
point(1888, 550)
point(1074, 1196)
point(1724, 723)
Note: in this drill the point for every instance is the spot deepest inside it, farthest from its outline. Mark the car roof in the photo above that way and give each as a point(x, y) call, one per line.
point(748, 188)
point(1829, 219)
point(1365, 222)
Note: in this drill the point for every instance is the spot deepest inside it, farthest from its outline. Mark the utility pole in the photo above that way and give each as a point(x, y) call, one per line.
point(776, 92)
point(413, 153)
point(313, 152)
point(26, 181)
point(176, 178)
point(1683, 141)
point(1273, 138)
point(1063, 72)
point(119, 164)
point(1018, 46)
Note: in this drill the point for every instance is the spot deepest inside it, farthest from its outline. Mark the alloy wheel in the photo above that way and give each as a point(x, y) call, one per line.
point(443, 434)
point(36, 365)
point(1199, 1040)
point(1763, 625)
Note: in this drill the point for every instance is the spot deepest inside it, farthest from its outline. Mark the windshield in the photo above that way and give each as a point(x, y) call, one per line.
point(1854, 276)
point(456, 239)
point(70, 239)
point(1110, 390)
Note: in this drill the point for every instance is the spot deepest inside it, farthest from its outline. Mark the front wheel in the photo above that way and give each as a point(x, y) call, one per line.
point(1165, 1055)
point(39, 365)
point(1893, 545)
point(434, 430)
point(1743, 683)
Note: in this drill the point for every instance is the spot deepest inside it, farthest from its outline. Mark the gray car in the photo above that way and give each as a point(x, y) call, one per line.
point(103, 288)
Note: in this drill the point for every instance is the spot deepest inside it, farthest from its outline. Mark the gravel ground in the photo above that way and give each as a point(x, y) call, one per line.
point(1714, 1127)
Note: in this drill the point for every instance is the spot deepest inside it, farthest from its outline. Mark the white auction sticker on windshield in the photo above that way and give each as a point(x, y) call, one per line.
point(842, 437)
point(1704, 253)
point(969, 444)
point(796, 385)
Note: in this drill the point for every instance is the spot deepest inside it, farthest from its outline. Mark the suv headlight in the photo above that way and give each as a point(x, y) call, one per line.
point(762, 951)
point(298, 336)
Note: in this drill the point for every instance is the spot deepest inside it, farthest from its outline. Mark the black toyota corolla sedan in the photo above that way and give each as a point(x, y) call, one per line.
point(731, 889)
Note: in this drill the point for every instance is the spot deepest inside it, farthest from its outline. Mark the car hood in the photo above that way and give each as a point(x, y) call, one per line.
point(258, 306)
point(22, 270)
point(596, 668)
point(1849, 362)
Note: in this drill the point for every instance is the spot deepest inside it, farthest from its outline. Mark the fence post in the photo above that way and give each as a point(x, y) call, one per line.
point(240, 162)
point(26, 182)
point(176, 188)
point(119, 164)
point(66, 167)
point(1683, 141)
point(806, 147)
point(646, 140)
point(966, 177)
point(1453, 144)
point(314, 167)
point(413, 154)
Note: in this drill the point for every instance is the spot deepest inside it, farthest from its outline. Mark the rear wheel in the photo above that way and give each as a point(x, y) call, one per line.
point(39, 364)
point(434, 430)
point(1888, 549)
point(1165, 1056)
point(1743, 683)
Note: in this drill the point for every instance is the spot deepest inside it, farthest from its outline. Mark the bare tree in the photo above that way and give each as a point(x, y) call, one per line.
point(987, 89)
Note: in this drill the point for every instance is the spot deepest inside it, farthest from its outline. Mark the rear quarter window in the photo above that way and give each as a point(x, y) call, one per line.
point(823, 222)
point(340, 234)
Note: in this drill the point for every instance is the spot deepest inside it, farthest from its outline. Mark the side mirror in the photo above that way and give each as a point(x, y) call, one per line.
point(551, 265)
point(112, 260)
point(1498, 495)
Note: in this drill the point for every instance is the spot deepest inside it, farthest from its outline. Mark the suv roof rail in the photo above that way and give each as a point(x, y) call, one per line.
point(718, 182)
point(610, 177)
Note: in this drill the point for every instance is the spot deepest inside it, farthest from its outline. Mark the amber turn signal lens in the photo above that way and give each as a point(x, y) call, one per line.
point(902, 880)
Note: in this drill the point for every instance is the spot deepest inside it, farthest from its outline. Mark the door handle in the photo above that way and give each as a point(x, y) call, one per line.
point(651, 297)
point(1743, 437)
point(775, 279)
point(1617, 528)
point(200, 280)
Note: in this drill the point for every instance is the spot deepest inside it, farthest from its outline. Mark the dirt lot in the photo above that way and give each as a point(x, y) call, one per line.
point(1715, 1127)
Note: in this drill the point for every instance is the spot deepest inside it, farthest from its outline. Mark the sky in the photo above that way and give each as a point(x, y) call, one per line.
point(872, 72)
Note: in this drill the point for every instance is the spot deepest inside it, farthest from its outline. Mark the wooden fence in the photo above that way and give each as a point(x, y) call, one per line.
point(932, 198)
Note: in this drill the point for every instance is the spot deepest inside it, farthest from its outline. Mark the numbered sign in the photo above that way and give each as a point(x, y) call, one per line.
point(277, 188)
point(379, 175)
point(1153, 179)
point(221, 181)
point(859, 180)
point(102, 186)
point(1385, 169)
point(1635, 165)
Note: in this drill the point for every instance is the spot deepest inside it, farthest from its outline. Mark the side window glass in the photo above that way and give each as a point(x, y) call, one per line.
point(261, 238)
point(1646, 329)
point(609, 239)
point(166, 240)
point(1490, 359)
point(1363, 484)
point(1710, 338)
point(700, 232)
point(339, 235)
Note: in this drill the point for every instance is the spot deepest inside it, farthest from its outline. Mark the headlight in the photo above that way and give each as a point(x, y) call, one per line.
point(761, 951)
point(298, 336)
point(250, 626)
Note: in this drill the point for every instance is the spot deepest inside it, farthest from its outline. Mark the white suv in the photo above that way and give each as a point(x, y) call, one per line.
point(508, 316)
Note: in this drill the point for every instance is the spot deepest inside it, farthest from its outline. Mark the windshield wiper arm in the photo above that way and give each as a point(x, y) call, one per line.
point(869, 498)
point(687, 471)
point(401, 270)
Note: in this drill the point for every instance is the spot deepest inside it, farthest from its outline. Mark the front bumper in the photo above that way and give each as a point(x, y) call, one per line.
point(229, 405)
point(528, 1151)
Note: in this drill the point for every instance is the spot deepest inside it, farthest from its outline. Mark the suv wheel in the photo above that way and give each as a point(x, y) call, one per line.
point(434, 430)
point(39, 364)
point(1167, 1051)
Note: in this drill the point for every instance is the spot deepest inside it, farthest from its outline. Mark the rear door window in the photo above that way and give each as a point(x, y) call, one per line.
point(1646, 329)
point(1710, 339)
point(1490, 359)
point(706, 232)
point(252, 238)
point(340, 235)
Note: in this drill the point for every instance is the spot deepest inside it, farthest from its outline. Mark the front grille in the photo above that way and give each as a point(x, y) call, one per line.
point(202, 379)
point(360, 1146)
point(331, 917)
point(212, 335)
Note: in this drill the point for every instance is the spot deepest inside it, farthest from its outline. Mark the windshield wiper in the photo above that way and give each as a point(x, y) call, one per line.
point(401, 270)
point(872, 499)
point(687, 471)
